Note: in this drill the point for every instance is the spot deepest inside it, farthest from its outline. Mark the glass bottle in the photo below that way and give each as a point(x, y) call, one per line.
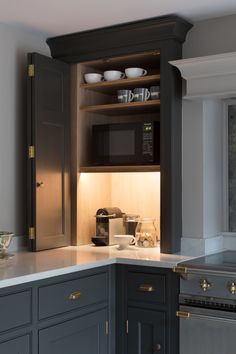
point(146, 233)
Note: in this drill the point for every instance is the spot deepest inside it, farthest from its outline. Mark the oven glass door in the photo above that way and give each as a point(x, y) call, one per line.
point(207, 331)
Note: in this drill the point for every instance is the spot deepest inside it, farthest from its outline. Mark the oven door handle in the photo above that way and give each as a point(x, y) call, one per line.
point(188, 315)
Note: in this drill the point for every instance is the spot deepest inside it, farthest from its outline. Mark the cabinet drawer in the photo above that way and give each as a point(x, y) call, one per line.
point(15, 310)
point(16, 346)
point(70, 295)
point(146, 287)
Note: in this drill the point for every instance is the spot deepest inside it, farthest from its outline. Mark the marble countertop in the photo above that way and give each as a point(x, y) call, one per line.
point(30, 266)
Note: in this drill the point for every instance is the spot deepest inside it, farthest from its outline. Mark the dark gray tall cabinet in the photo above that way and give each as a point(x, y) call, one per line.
point(163, 37)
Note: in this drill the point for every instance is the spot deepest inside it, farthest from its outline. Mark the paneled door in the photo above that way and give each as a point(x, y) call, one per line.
point(48, 152)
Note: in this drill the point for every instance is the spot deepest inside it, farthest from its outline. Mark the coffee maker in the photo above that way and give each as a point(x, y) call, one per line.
point(109, 222)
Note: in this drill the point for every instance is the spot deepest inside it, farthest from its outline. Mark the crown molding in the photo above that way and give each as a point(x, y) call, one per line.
point(211, 76)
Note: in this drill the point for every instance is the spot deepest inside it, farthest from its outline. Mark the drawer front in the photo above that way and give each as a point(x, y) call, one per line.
point(16, 346)
point(15, 310)
point(71, 295)
point(146, 287)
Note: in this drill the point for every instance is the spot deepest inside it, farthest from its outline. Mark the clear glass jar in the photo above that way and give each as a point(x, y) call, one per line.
point(146, 233)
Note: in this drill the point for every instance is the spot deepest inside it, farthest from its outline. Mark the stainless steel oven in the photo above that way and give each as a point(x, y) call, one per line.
point(207, 305)
point(207, 331)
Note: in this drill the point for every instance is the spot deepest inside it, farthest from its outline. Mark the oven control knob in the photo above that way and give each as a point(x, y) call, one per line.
point(205, 285)
point(231, 287)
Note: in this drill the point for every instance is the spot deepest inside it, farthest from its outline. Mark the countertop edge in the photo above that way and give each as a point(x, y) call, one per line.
point(4, 283)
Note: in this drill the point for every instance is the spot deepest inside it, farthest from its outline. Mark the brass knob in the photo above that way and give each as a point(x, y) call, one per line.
point(40, 184)
point(232, 287)
point(157, 347)
point(205, 285)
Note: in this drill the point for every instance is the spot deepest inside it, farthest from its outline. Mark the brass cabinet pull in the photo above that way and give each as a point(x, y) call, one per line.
point(40, 184)
point(157, 348)
point(148, 288)
point(75, 296)
point(183, 314)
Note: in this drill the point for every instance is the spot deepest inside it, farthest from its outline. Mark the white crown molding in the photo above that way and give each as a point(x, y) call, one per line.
point(211, 76)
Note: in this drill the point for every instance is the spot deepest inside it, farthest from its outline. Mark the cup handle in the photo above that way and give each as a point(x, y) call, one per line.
point(133, 241)
point(131, 97)
point(122, 76)
point(144, 72)
point(147, 95)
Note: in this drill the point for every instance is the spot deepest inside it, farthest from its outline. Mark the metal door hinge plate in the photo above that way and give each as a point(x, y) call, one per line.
point(31, 233)
point(31, 70)
point(31, 152)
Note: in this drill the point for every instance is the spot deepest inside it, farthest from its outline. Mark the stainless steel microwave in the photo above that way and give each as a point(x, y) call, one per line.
point(126, 143)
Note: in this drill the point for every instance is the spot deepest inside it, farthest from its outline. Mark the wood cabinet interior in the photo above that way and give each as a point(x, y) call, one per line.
point(132, 192)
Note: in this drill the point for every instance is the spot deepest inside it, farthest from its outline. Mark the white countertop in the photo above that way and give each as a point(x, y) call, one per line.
point(30, 266)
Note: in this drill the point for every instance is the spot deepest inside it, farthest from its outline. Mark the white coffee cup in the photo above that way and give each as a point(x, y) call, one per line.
point(124, 240)
point(110, 75)
point(132, 73)
point(93, 78)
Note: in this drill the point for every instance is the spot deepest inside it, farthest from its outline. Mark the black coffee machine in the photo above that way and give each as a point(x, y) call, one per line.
point(109, 222)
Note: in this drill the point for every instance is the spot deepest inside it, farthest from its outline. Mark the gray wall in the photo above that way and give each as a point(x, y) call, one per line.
point(15, 44)
point(212, 36)
point(202, 139)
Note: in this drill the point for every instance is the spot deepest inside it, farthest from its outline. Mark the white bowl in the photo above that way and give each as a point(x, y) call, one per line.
point(124, 240)
point(132, 73)
point(93, 78)
point(111, 75)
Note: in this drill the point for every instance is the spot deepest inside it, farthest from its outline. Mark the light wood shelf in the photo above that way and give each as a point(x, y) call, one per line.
point(133, 168)
point(107, 86)
point(114, 108)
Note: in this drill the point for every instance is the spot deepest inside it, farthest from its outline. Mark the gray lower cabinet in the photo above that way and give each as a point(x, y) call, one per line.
point(146, 332)
point(83, 335)
point(148, 310)
point(19, 345)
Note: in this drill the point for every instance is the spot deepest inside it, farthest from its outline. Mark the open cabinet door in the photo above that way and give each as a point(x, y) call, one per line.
point(48, 149)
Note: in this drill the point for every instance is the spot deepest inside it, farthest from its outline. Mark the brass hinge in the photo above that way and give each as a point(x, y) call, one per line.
point(183, 314)
point(31, 152)
point(127, 326)
point(31, 233)
point(107, 328)
point(31, 70)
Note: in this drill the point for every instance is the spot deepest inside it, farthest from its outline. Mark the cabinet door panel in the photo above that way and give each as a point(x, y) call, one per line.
point(20, 345)
point(48, 130)
point(84, 335)
point(146, 331)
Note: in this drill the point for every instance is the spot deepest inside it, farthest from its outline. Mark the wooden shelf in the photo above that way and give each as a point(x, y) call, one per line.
point(107, 86)
point(138, 168)
point(114, 108)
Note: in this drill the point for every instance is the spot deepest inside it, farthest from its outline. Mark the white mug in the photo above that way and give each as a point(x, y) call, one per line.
point(110, 75)
point(135, 72)
point(93, 78)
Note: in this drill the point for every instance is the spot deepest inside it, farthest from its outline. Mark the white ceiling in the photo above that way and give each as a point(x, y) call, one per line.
point(56, 17)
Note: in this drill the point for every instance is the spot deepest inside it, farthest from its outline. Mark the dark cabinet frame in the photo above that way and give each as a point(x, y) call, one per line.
point(165, 34)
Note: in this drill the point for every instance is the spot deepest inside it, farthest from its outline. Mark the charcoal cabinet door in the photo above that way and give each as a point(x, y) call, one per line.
point(19, 345)
point(82, 335)
point(48, 150)
point(146, 331)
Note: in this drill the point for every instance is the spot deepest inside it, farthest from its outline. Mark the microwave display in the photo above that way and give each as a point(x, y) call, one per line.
point(126, 143)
